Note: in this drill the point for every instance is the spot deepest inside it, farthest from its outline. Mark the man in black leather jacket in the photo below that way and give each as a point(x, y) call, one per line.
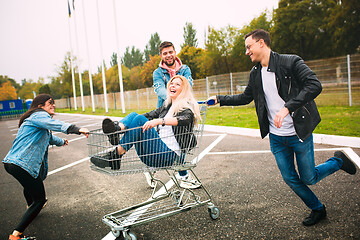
point(284, 88)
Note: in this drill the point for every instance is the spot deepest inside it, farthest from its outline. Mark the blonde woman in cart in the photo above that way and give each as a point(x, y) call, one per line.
point(175, 121)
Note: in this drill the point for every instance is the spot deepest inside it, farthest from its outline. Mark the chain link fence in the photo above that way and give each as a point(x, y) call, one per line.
point(340, 78)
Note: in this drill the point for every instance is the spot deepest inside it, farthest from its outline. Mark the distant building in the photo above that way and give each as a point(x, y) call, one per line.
point(11, 105)
point(10, 109)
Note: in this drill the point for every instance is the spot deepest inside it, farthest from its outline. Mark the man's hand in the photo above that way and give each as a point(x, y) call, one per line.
point(212, 99)
point(66, 142)
point(279, 117)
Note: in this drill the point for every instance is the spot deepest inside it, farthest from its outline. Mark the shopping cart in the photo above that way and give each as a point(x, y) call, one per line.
point(167, 198)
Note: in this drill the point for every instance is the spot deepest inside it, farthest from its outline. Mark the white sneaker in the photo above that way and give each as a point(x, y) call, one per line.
point(189, 183)
point(149, 179)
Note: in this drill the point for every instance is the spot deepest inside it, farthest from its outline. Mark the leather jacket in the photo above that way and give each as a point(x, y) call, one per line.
point(297, 85)
point(183, 131)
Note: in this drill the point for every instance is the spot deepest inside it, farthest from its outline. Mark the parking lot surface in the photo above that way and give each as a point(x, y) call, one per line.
point(240, 172)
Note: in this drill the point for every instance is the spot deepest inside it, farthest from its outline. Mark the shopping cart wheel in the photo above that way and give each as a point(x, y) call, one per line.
point(214, 212)
point(116, 233)
point(127, 235)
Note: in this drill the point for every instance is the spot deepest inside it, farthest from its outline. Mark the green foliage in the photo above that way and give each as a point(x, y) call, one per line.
point(147, 70)
point(344, 23)
point(241, 61)
point(26, 91)
point(45, 89)
point(316, 29)
point(191, 56)
point(189, 36)
point(219, 45)
point(114, 60)
point(132, 58)
point(152, 48)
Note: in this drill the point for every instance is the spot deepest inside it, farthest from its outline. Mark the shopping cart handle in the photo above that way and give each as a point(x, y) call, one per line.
point(208, 102)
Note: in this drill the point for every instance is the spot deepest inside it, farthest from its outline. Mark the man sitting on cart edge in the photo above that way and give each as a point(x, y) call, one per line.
point(284, 88)
point(175, 121)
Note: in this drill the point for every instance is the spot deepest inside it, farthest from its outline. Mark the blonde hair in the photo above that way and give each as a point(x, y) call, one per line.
point(185, 100)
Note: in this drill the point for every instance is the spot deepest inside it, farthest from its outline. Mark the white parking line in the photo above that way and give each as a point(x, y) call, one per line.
point(68, 166)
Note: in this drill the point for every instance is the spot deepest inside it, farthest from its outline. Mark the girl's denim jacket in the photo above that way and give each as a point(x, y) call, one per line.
point(30, 147)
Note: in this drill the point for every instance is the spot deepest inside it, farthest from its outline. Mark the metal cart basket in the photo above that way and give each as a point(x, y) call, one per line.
point(167, 198)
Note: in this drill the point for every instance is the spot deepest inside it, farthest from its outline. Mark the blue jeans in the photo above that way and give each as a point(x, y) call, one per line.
point(148, 145)
point(284, 148)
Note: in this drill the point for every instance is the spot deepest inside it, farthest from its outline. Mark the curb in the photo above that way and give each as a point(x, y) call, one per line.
point(335, 140)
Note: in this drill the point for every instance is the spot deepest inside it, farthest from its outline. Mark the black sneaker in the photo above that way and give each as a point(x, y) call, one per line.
point(348, 166)
point(111, 159)
point(315, 217)
point(108, 127)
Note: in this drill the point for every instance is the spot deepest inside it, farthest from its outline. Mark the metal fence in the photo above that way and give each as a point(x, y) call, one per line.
point(339, 76)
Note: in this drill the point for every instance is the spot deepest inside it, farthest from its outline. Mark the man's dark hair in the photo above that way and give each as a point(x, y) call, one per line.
point(260, 34)
point(165, 45)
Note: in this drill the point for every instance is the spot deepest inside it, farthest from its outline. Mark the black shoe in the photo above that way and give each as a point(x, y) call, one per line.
point(108, 126)
point(348, 166)
point(315, 217)
point(111, 159)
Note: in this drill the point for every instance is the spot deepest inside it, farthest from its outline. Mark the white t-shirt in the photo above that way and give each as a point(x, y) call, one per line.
point(274, 103)
point(167, 136)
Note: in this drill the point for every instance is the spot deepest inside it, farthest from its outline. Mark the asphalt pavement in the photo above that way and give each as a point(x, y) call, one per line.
point(239, 171)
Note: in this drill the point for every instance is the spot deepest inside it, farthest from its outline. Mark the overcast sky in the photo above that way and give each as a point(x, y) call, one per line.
point(35, 34)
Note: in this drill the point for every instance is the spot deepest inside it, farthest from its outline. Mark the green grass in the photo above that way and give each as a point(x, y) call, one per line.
point(336, 120)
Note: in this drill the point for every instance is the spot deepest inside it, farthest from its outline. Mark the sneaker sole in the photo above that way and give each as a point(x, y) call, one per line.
point(99, 162)
point(108, 126)
point(351, 160)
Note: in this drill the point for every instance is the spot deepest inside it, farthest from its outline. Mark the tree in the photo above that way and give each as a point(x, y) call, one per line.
point(100, 67)
point(238, 56)
point(7, 91)
point(114, 60)
point(148, 68)
point(135, 79)
point(300, 27)
point(61, 85)
point(152, 48)
point(344, 25)
point(132, 58)
point(189, 36)
point(217, 59)
point(45, 89)
point(192, 57)
point(26, 91)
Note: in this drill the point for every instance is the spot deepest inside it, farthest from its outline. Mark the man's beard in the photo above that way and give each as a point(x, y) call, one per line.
point(170, 64)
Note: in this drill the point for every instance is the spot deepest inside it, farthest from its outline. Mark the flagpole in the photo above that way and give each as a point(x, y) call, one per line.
point(88, 56)
point(119, 63)
point(71, 62)
point(78, 62)
point(102, 59)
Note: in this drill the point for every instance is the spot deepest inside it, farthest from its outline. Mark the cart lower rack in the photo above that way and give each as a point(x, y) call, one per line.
point(152, 151)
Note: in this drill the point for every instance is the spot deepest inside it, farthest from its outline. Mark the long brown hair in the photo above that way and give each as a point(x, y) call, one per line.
point(36, 104)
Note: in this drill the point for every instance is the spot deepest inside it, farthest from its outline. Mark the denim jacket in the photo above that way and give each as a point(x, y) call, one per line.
point(161, 77)
point(30, 147)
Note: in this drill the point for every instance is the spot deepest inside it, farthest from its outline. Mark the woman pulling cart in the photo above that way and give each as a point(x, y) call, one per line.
point(27, 160)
